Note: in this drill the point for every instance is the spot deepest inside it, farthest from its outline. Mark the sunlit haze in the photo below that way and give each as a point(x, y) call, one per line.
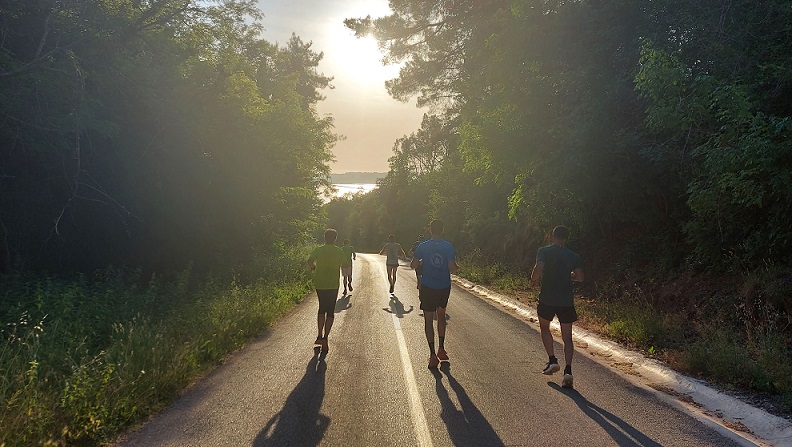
point(364, 113)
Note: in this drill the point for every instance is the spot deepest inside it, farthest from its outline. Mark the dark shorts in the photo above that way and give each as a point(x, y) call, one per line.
point(431, 298)
point(393, 264)
point(327, 300)
point(566, 314)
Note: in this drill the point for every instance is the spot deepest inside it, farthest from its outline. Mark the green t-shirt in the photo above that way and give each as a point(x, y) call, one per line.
point(328, 259)
point(348, 250)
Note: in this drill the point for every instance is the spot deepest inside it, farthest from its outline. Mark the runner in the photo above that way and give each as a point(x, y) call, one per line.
point(349, 254)
point(557, 267)
point(419, 269)
point(439, 260)
point(325, 261)
point(392, 250)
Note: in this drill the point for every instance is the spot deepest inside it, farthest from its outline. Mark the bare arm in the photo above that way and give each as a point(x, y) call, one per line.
point(577, 275)
point(382, 252)
point(536, 274)
point(311, 264)
point(415, 263)
point(453, 266)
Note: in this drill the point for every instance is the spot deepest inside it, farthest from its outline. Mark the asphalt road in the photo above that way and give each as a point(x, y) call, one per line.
point(374, 389)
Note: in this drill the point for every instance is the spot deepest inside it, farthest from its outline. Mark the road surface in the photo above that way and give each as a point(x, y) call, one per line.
point(374, 389)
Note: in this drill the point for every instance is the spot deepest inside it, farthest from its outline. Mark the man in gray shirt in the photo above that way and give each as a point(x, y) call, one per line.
point(557, 267)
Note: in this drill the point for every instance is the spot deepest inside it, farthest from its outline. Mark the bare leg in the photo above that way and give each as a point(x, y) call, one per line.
point(320, 324)
point(566, 335)
point(328, 324)
point(429, 329)
point(547, 336)
point(441, 321)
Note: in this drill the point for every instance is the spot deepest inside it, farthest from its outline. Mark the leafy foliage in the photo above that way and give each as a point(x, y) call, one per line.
point(154, 133)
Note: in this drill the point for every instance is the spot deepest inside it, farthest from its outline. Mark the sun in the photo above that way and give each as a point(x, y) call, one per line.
point(361, 60)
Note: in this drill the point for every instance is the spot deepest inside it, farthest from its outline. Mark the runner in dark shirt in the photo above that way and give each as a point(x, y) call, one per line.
point(557, 267)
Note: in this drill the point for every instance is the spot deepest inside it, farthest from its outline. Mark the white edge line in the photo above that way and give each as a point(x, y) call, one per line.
point(421, 427)
point(766, 429)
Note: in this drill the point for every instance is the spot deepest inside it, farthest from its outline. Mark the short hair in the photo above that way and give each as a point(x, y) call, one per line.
point(436, 226)
point(330, 236)
point(346, 241)
point(561, 233)
point(391, 238)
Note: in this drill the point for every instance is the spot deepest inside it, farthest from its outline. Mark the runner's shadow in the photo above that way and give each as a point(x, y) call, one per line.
point(466, 425)
point(624, 434)
point(299, 422)
point(397, 307)
point(343, 303)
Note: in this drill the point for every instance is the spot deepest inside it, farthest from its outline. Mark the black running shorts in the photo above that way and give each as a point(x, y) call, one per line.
point(566, 314)
point(327, 300)
point(431, 298)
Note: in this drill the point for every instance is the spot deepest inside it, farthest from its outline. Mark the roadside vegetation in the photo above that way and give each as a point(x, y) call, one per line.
point(83, 359)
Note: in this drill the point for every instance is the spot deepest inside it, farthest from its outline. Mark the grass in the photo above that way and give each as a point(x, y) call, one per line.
point(81, 360)
point(737, 336)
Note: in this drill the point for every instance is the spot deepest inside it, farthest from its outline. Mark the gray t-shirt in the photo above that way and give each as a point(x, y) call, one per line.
point(559, 262)
point(392, 250)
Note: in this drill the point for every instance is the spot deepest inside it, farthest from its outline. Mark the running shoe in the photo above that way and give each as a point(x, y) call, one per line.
point(324, 345)
point(350, 287)
point(567, 381)
point(551, 368)
point(442, 355)
point(391, 289)
point(434, 362)
point(318, 341)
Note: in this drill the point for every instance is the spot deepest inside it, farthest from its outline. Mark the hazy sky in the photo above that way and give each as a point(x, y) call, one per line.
point(364, 112)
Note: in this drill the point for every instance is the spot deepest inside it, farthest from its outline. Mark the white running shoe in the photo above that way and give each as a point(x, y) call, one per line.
point(567, 381)
point(551, 368)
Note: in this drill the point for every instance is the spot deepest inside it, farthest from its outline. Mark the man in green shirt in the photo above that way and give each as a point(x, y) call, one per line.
point(325, 262)
point(349, 253)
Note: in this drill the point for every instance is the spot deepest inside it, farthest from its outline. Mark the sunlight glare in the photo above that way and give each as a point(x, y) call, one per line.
point(362, 61)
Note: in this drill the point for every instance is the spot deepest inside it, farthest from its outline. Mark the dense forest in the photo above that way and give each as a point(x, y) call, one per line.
point(658, 131)
point(153, 133)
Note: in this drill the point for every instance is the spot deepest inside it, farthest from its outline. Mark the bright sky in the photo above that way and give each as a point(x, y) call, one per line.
point(363, 111)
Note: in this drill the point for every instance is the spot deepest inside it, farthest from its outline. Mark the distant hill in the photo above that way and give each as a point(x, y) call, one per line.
point(357, 177)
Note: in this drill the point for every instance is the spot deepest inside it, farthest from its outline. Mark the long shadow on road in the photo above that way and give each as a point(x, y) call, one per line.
point(299, 422)
point(466, 425)
point(343, 303)
point(397, 307)
point(624, 434)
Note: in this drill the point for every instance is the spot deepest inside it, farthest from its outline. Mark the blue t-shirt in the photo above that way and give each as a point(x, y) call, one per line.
point(435, 255)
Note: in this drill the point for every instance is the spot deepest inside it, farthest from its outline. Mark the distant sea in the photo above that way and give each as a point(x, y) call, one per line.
point(353, 188)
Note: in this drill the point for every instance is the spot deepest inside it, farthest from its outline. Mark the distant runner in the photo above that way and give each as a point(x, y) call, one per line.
point(419, 269)
point(349, 253)
point(557, 267)
point(392, 250)
point(439, 260)
point(325, 261)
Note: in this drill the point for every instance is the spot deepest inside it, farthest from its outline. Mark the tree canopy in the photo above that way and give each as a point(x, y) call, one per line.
point(154, 133)
point(660, 122)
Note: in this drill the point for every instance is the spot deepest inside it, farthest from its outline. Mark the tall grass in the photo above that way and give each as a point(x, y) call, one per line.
point(80, 360)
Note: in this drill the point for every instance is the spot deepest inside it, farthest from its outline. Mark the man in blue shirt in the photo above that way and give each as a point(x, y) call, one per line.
point(438, 259)
point(557, 267)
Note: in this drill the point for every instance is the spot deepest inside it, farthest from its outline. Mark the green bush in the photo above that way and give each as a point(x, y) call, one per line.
point(89, 357)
